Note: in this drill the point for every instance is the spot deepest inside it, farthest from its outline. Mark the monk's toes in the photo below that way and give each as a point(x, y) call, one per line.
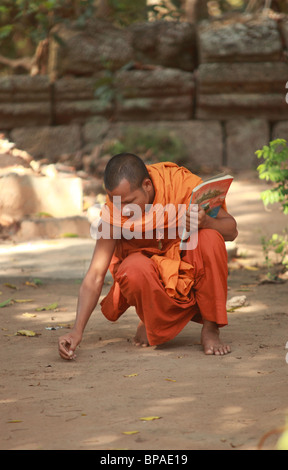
point(218, 350)
point(209, 350)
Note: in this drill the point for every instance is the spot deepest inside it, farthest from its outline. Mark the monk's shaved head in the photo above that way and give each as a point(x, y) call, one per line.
point(125, 166)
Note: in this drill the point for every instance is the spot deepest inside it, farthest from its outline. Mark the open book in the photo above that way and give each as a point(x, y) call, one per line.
point(210, 195)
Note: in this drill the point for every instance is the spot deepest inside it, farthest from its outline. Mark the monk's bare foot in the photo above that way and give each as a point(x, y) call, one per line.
point(210, 340)
point(140, 338)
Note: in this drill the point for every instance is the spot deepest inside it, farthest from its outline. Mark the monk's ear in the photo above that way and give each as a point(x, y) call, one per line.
point(147, 184)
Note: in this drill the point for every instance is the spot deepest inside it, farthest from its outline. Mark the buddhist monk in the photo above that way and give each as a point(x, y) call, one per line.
point(168, 284)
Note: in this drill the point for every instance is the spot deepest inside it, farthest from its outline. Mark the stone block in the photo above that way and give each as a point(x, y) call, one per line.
point(158, 82)
point(24, 99)
point(15, 115)
point(223, 106)
point(166, 43)
point(203, 140)
point(242, 78)
point(100, 46)
point(243, 138)
point(154, 94)
point(240, 39)
point(48, 142)
point(280, 130)
point(94, 130)
point(75, 100)
point(24, 88)
point(26, 195)
point(33, 229)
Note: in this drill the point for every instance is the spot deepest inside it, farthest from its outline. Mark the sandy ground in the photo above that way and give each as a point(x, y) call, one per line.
point(202, 402)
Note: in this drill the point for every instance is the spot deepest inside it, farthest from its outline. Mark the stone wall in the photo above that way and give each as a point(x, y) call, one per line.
point(220, 87)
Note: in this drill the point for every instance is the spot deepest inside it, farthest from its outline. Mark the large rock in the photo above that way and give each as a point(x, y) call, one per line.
point(33, 229)
point(75, 101)
point(225, 77)
point(25, 195)
point(95, 130)
point(241, 39)
point(48, 142)
point(226, 90)
point(280, 130)
point(154, 94)
point(243, 138)
point(225, 106)
point(202, 140)
point(166, 43)
point(24, 99)
point(103, 46)
point(83, 52)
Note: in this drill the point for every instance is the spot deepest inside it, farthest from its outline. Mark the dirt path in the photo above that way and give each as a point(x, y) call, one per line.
point(202, 402)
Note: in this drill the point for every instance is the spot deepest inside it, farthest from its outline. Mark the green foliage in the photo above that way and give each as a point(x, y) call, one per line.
point(275, 169)
point(276, 245)
point(151, 144)
point(32, 20)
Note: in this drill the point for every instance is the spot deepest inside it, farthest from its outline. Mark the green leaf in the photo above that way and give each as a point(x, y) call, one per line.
point(48, 307)
point(6, 302)
point(5, 31)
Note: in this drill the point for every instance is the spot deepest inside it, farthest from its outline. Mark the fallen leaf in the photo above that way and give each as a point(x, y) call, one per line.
point(11, 286)
point(251, 268)
point(14, 421)
point(26, 333)
point(29, 315)
point(65, 325)
point(5, 303)
point(170, 380)
point(69, 235)
point(129, 433)
point(131, 375)
point(244, 290)
point(150, 418)
point(34, 283)
point(48, 307)
point(43, 215)
point(22, 301)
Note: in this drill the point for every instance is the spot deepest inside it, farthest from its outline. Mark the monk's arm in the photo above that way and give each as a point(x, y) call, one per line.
point(89, 294)
point(224, 223)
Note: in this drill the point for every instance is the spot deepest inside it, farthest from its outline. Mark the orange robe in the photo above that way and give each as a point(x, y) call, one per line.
point(167, 286)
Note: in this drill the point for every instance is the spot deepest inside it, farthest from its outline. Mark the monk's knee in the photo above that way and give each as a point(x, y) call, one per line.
point(212, 244)
point(134, 270)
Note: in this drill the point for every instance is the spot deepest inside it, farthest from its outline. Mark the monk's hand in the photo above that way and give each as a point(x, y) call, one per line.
point(67, 345)
point(196, 218)
point(202, 217)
